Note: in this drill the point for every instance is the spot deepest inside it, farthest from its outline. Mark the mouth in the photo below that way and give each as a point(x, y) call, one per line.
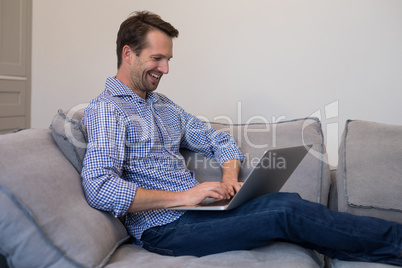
point(155, 77)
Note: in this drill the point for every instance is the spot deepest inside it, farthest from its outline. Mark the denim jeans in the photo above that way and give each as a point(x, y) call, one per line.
point(284, 217)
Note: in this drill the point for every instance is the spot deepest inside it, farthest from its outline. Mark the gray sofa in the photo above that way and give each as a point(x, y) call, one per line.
point(45, 220)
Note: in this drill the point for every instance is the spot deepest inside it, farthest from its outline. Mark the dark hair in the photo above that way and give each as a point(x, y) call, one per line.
point(133, 32)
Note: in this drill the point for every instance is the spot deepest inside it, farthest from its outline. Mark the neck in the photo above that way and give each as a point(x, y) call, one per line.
point(125, 80)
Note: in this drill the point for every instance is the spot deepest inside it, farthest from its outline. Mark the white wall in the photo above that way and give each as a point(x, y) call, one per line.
point(338, 59)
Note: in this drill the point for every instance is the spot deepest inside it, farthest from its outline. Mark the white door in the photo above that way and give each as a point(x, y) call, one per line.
point(15, 64)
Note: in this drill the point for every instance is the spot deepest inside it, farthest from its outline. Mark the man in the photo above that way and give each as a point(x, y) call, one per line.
point(133, 167)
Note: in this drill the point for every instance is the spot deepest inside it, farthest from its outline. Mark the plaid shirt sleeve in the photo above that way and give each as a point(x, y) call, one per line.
point(202, 138)
point(104, 188)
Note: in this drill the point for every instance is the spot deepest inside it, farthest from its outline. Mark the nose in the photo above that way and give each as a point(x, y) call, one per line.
point(164, 66)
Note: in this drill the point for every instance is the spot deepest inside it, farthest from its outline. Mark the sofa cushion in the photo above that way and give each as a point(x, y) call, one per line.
point(45, 220)
point(278, 255)
point(70, 135)
point(311, 179)
point(369, 172)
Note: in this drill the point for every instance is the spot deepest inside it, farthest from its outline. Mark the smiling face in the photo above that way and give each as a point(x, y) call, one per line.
point(144, 71)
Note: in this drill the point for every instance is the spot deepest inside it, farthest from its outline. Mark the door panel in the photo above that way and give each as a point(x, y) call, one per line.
point(13, 43)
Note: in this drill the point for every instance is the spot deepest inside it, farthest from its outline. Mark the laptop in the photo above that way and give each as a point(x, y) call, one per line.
point(268, 176)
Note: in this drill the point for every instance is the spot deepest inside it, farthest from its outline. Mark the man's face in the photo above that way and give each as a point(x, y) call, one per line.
point(153, 62)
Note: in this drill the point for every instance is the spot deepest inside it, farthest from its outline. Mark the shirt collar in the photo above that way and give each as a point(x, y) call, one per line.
point(117, 88)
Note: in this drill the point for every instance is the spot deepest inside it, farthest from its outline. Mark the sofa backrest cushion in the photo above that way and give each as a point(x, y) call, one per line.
point(45, 220)
point(369, 172)
point(311, 179)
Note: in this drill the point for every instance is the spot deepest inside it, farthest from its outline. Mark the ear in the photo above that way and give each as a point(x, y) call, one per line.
point(127, 54)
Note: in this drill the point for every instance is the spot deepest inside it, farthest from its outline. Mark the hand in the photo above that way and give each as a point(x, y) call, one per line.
point(232, 186)
point(230, 174)
point(204, 190)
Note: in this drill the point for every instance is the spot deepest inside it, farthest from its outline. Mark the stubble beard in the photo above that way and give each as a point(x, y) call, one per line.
point(141, 83)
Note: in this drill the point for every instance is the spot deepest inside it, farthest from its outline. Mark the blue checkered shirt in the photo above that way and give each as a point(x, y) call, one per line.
point(133, 143)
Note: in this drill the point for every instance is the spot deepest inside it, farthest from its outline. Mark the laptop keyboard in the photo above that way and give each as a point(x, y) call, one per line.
point(218, 203)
